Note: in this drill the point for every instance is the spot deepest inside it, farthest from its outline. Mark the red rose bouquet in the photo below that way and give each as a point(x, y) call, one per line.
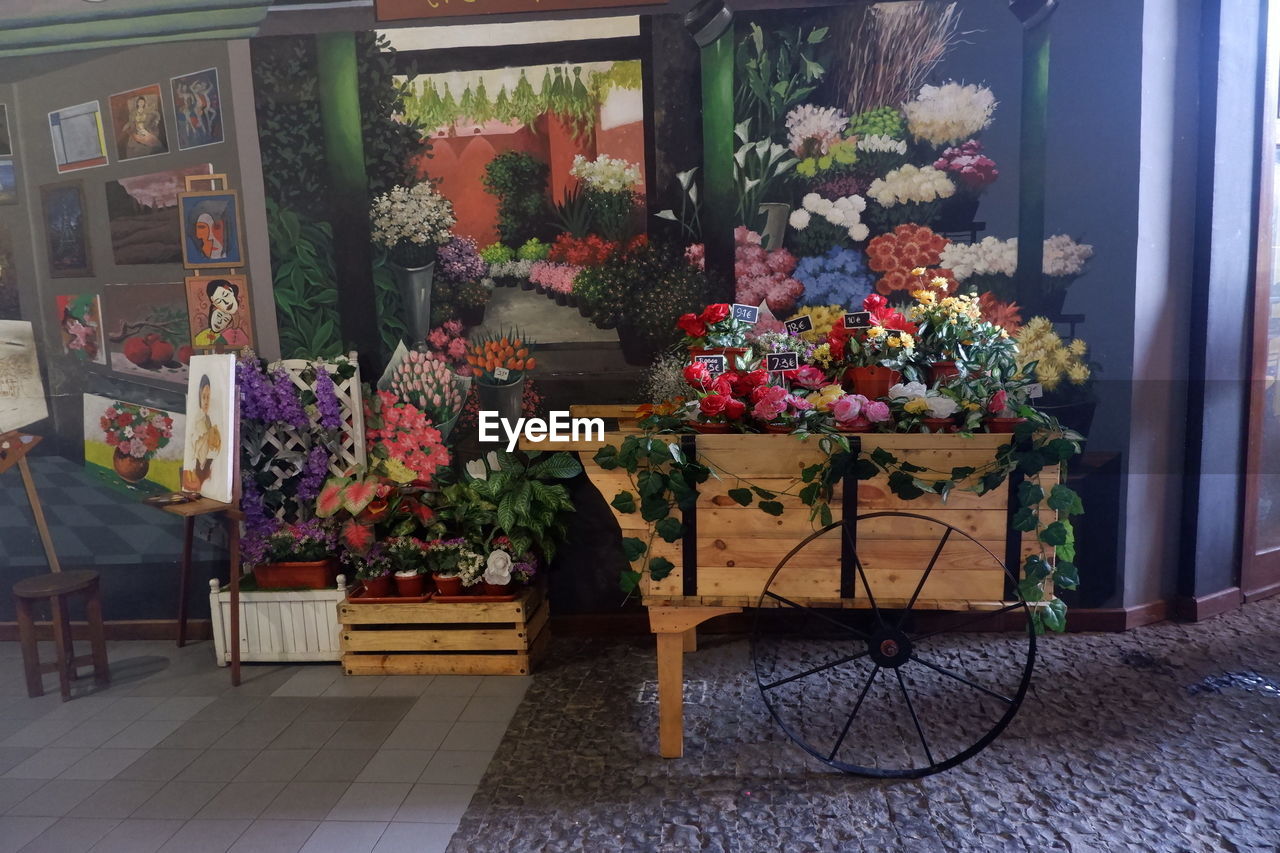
point(714, 328)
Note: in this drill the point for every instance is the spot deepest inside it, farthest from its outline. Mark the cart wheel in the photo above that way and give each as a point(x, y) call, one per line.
point(886, 688)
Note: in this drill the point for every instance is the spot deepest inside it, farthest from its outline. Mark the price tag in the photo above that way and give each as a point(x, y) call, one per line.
point(857, 320)
point(778, 362)
point(501, 374)
point(746, 313)
point(803, 323)
point(1035, 391)
point(715, 364)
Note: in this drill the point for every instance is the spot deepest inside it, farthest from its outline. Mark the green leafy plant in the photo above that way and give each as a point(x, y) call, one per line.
point(690, 216)
point(530, 507)
point(390, 144)
point(759, 168)
point(777, 71)
point(304, 283)
point(519, 182)
point(573, 212)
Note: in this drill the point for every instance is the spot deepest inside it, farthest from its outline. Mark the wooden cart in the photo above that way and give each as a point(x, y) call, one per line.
point(889, 556)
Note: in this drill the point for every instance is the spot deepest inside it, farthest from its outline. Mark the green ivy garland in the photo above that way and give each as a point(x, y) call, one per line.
point(664, 478)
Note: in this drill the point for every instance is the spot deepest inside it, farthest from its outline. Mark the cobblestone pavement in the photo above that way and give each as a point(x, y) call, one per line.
point(1149, 740)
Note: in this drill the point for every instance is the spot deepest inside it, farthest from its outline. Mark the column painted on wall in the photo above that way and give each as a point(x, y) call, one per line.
point(339, 93)
point(1031, 159)
point(717, 140)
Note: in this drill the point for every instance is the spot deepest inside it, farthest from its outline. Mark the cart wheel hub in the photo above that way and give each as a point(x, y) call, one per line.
point(890, 648)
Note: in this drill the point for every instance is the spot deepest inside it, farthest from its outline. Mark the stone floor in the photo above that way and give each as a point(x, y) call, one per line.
point(172, 758)
point(1163, 738)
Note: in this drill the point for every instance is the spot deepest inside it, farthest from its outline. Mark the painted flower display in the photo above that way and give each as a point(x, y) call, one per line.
point(881, 144)
point(412, 223)
point(969, 166)
point(880, 121)
point(950, 113)
point(589, 251)
point(812, 130)
point(605, 173)
point(990, 256)
point(403, 444)
point(763, 275)
point(1055, 361)
point(428, 381)
point(510, 271)
point(447, 341)
point(1006, 315)
point(533, 249)
point(135, 431)
point(911, 184)
point(459, 261)
point(820, 224)
point(1064, 257)
point(897, 253)
point(508, 352)
point(557, 278)
point(839, 276)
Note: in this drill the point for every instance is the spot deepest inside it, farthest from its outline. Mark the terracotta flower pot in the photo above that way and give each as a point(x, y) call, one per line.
point(130, 468)
point(448, 585)
point(709, 428)
point(938, 424)
point(779, 429)
point(496, 588)
point(872, 382)
point(1003, 425)
point(858, 425)
point(379, 587)
point(940, 371)
point(313, 574)
point(410, 584)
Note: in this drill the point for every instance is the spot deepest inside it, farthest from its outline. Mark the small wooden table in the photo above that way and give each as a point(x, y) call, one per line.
point(232, 517)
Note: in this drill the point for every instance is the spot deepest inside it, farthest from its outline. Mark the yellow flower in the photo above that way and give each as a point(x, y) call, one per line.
point(940, 282)
point(907, 341)
point(1078, 373)
point(875, 332)
point(971, 406)
point(894, 341)
point(925, 297)
point(918, 406)
point(824, 397)
point(398, 471)
point(918, 271)
point(822, 354)
point(1077, 348)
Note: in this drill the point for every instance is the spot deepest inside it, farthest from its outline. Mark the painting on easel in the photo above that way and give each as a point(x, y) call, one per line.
point(208, 458)
point(131, 448)
point(22, 400)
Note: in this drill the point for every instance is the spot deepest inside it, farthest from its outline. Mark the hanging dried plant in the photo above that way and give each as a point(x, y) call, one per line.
point(887, 50)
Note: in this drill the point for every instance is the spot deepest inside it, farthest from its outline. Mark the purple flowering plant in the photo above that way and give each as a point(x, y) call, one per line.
point(459, 261)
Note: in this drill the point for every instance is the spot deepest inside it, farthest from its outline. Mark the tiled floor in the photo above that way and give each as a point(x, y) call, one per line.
point(298, 758)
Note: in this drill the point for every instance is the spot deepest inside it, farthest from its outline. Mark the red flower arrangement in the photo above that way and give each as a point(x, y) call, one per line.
point(590, 251)
point(403, 443)
point(135, 430)
point(1007, 315)
point(896, 253)
point(714, 327)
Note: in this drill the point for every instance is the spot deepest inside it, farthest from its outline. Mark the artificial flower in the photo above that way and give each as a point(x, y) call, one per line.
point(950, 113)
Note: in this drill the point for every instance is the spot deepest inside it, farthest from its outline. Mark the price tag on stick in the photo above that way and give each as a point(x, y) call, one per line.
point(857, 320)
point(746, 313)
point(780, 362)
point(501, 374)
point(803, 323)
point(715, 364)
point(1035, 391)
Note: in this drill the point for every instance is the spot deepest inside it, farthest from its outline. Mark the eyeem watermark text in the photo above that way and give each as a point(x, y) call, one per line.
point(559, 426)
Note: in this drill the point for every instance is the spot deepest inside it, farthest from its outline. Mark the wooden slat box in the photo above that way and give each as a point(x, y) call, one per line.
point(431, 638)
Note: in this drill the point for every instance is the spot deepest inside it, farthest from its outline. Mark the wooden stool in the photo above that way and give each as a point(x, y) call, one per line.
point(58, 588)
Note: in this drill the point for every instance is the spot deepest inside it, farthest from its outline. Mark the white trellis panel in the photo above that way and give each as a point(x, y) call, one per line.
point(279, 625)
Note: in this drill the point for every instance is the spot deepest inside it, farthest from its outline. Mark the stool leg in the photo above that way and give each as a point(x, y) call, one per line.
point(62, 639)
point(97, 639)
point(30, 651)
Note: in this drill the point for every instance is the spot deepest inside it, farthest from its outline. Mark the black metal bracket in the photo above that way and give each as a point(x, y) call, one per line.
point(849, 519)
point(689, 542)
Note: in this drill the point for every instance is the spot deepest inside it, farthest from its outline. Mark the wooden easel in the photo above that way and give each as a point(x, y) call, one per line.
point(14, 447)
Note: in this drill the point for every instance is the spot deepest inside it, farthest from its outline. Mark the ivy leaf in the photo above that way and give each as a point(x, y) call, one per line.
point(655, 508)
point(764, 493)
point(1054, 615)
point(1066, 575)
point(624, 502)
point(911, 468)
point(1036, 569)
point(809, 493)
point(1030, 494)
point(660, 567)
point(883, 458)
point(990, 482)
point(680, 490)
point(651, 483)
point(629, 581)
point(865, 469)
point(670, 528)
point(961, 471)
point(1065, 499)
point(1025, 519)
point(633, 548)
point(824, 514)
point(1061, 449)
point(1055, 534)
point(809, 472)
point(1030, 590)
point(904, 486)
point(771, 507)
point(742, 496)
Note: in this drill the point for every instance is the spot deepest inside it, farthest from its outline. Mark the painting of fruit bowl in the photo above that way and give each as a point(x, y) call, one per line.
point(147, 330)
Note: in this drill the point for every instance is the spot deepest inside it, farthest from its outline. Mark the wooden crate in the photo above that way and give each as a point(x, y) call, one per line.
point(738, 548)
point(485, 638)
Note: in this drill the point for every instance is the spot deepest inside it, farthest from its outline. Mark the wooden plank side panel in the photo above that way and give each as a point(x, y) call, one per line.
point(424, 640)
point(436, 664)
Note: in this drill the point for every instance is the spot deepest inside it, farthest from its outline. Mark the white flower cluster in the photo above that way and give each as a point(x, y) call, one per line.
point(911, 183)
point(843, 213)
point(939, 406)
point(1063, 256)
point(605, 173)
point(950, 113)
point(819, 125)
point(416, 214)
point(991, 256)
point(878, 143)
point(511, 269)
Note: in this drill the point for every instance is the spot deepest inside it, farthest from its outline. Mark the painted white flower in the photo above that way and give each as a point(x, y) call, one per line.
point(950, 113)
point(876, 144)
point(911, 184)
point(811, 130)
point(908, 391)
point(477, 470)
point(1064, 256)
point(605, 173)
point(845, 212)
point(498, 567)
point(799, 219)
point(416, 214)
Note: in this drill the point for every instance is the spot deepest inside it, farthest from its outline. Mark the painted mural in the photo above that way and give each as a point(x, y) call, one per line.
point(133, 449)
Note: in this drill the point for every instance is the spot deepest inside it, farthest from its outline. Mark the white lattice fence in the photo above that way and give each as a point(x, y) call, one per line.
point(291, 446)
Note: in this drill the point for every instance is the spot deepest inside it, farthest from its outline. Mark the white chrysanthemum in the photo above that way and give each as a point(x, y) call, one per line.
point(811, 130)
point(991, 256)
point(605, 173)
point(908, 391)
point(800, 219)
point(876, 144)
point(1064, 256)
point(950, 113)
point(844, 212)
point(417, 214)
point(911, 184)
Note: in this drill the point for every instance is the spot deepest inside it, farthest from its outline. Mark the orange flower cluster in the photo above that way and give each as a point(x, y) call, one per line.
point(896, 253)
point(511, 353)
point(1007, 315)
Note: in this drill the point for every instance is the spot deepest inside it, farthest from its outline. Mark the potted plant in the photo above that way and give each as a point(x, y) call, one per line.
point(530, 506)
point(919, 407)
point(715, 332)
point(876, 356)
point(472, 298)
point(412, 223)
point(299, 556)
point(136, 434)
point(450, 561)
point(500, 363)
point(953, 339)
point(856, 413)
point(372, 568)
point(409, 561)
point(504, 567)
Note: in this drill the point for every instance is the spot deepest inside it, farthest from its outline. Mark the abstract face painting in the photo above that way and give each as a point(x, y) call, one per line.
point(219, 310)
point(211, 229)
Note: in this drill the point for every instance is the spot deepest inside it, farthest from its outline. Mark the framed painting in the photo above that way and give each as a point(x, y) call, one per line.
point(137, 123)
point(147, 330)
point(66, 232)
point(218, 307)
point(211, 229)
point(197, 108)
point(6, 139)
point(133, 448)
point(143, 214)
point(22, 399)
point(78, 140)
point(80, 326)
point(8, 182)
point(209, 452)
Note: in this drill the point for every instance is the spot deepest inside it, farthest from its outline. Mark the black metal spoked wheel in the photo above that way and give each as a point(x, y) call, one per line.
point(892, 688)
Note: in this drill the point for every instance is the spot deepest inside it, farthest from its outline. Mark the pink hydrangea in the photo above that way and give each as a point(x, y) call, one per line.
point(764, 276)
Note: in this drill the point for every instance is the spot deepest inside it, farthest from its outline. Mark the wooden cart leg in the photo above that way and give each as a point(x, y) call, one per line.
point(673, 627)
point(691, 640)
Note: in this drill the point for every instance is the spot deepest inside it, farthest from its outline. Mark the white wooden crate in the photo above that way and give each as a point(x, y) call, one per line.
point(279, 625)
